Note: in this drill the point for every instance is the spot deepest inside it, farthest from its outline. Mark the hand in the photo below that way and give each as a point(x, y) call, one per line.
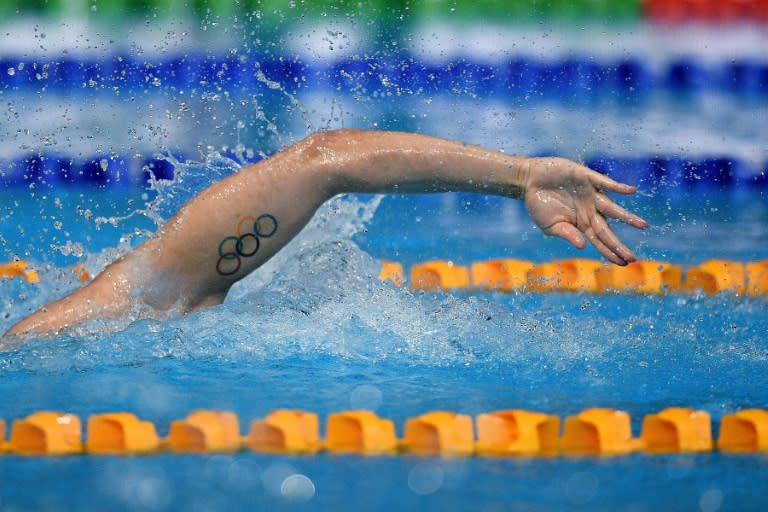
point(566, 199)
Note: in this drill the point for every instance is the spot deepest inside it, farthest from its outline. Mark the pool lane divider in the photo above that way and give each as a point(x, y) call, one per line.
point(519, 78)
point(19, 268)
point(578, 275)
point(510, 432)
point(584, 275)
point(668, 174)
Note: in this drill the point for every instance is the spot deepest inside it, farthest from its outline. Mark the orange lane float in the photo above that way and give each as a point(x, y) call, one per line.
point(205, 431)
point(677, 429)
point(554, 276)
point(757, 277)
point(744, 431)
point(715, 276)
point(501, 274)
point(510, 432)
point(592, 276)
point(393, 272)
point(598, 431)
point(119, 433)
point(574, 275)
point(19, 268)
point(517, 432)
point(360, 432)
point(81, 272)
point(46, 433)
point(439, 275)
point(439, 433)
point(285, 431)
point(645, 277)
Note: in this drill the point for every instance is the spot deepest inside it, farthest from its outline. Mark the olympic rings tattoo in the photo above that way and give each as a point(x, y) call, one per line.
point(271, 223)
point(244, 244)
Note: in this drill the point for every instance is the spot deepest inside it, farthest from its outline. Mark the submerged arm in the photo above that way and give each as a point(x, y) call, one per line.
point(238, 223)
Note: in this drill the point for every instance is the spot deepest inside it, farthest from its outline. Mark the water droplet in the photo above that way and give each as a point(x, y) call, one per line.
point(366, 397)
point(425, 478)
point(11, 71)
point(297, 488)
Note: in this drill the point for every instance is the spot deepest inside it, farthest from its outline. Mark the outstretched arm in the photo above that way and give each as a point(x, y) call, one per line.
point(238, 223)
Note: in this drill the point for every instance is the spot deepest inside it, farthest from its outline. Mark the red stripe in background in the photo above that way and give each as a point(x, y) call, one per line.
point(681, 11)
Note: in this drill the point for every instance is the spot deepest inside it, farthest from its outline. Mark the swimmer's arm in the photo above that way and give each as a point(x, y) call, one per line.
point(564, 198)
point(285, 191)
point(193, 260)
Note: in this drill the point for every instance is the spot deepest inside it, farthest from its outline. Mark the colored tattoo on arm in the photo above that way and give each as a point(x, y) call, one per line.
point(246, 243)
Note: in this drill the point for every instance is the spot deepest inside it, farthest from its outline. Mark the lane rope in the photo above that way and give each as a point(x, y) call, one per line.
point(510, 432)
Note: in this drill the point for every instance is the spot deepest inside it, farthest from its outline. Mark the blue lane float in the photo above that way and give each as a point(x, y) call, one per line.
point(661, 172)
point(100, 171)
point(567, 79)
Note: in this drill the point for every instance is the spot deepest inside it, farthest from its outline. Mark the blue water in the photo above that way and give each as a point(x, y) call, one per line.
point(316, 330)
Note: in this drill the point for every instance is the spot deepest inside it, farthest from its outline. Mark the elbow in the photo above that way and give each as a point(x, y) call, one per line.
point(329, 155)
point(333, 137)
point(326, 146)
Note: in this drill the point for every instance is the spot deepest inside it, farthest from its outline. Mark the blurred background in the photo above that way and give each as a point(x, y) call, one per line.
point(669, 95)
point(115, 112)
point(93, 90)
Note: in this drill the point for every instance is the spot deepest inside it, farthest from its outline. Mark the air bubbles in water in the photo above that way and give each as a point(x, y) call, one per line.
point(581, 487)
point(297, 488)
point(365, 397)
point(426, 478)
point(711, 500)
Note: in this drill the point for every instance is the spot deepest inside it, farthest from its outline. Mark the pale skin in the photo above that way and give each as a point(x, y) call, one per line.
point(193, 260)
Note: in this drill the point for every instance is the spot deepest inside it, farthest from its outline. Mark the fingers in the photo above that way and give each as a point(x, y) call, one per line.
point(606, 251)
point(603, 182)
point(600, 236)
point(606, 241)
point(610, 209)
point(567, 232)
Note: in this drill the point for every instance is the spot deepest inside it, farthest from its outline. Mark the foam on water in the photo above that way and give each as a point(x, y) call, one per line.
point(321, 297)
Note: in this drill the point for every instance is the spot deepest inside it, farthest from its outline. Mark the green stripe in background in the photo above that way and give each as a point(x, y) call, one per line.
point(528, 10)
point(112, 9)
point(308, 10)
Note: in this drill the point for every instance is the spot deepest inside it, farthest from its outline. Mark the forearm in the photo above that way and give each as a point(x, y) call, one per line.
point(411, 163)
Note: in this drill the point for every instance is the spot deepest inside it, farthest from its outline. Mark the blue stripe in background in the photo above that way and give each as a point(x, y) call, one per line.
point(659, 172)
point(571, 80)
point(520, 75)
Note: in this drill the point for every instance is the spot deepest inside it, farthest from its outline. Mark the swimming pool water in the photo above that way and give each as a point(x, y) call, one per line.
point(315, 329)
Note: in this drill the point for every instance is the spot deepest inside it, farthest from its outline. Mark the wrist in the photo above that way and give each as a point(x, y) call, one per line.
point(515, 178)
point(524, 176)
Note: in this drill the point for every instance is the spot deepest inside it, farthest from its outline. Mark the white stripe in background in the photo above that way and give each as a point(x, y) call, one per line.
point(319, 41)
point(708, 126)
point(653, 44)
